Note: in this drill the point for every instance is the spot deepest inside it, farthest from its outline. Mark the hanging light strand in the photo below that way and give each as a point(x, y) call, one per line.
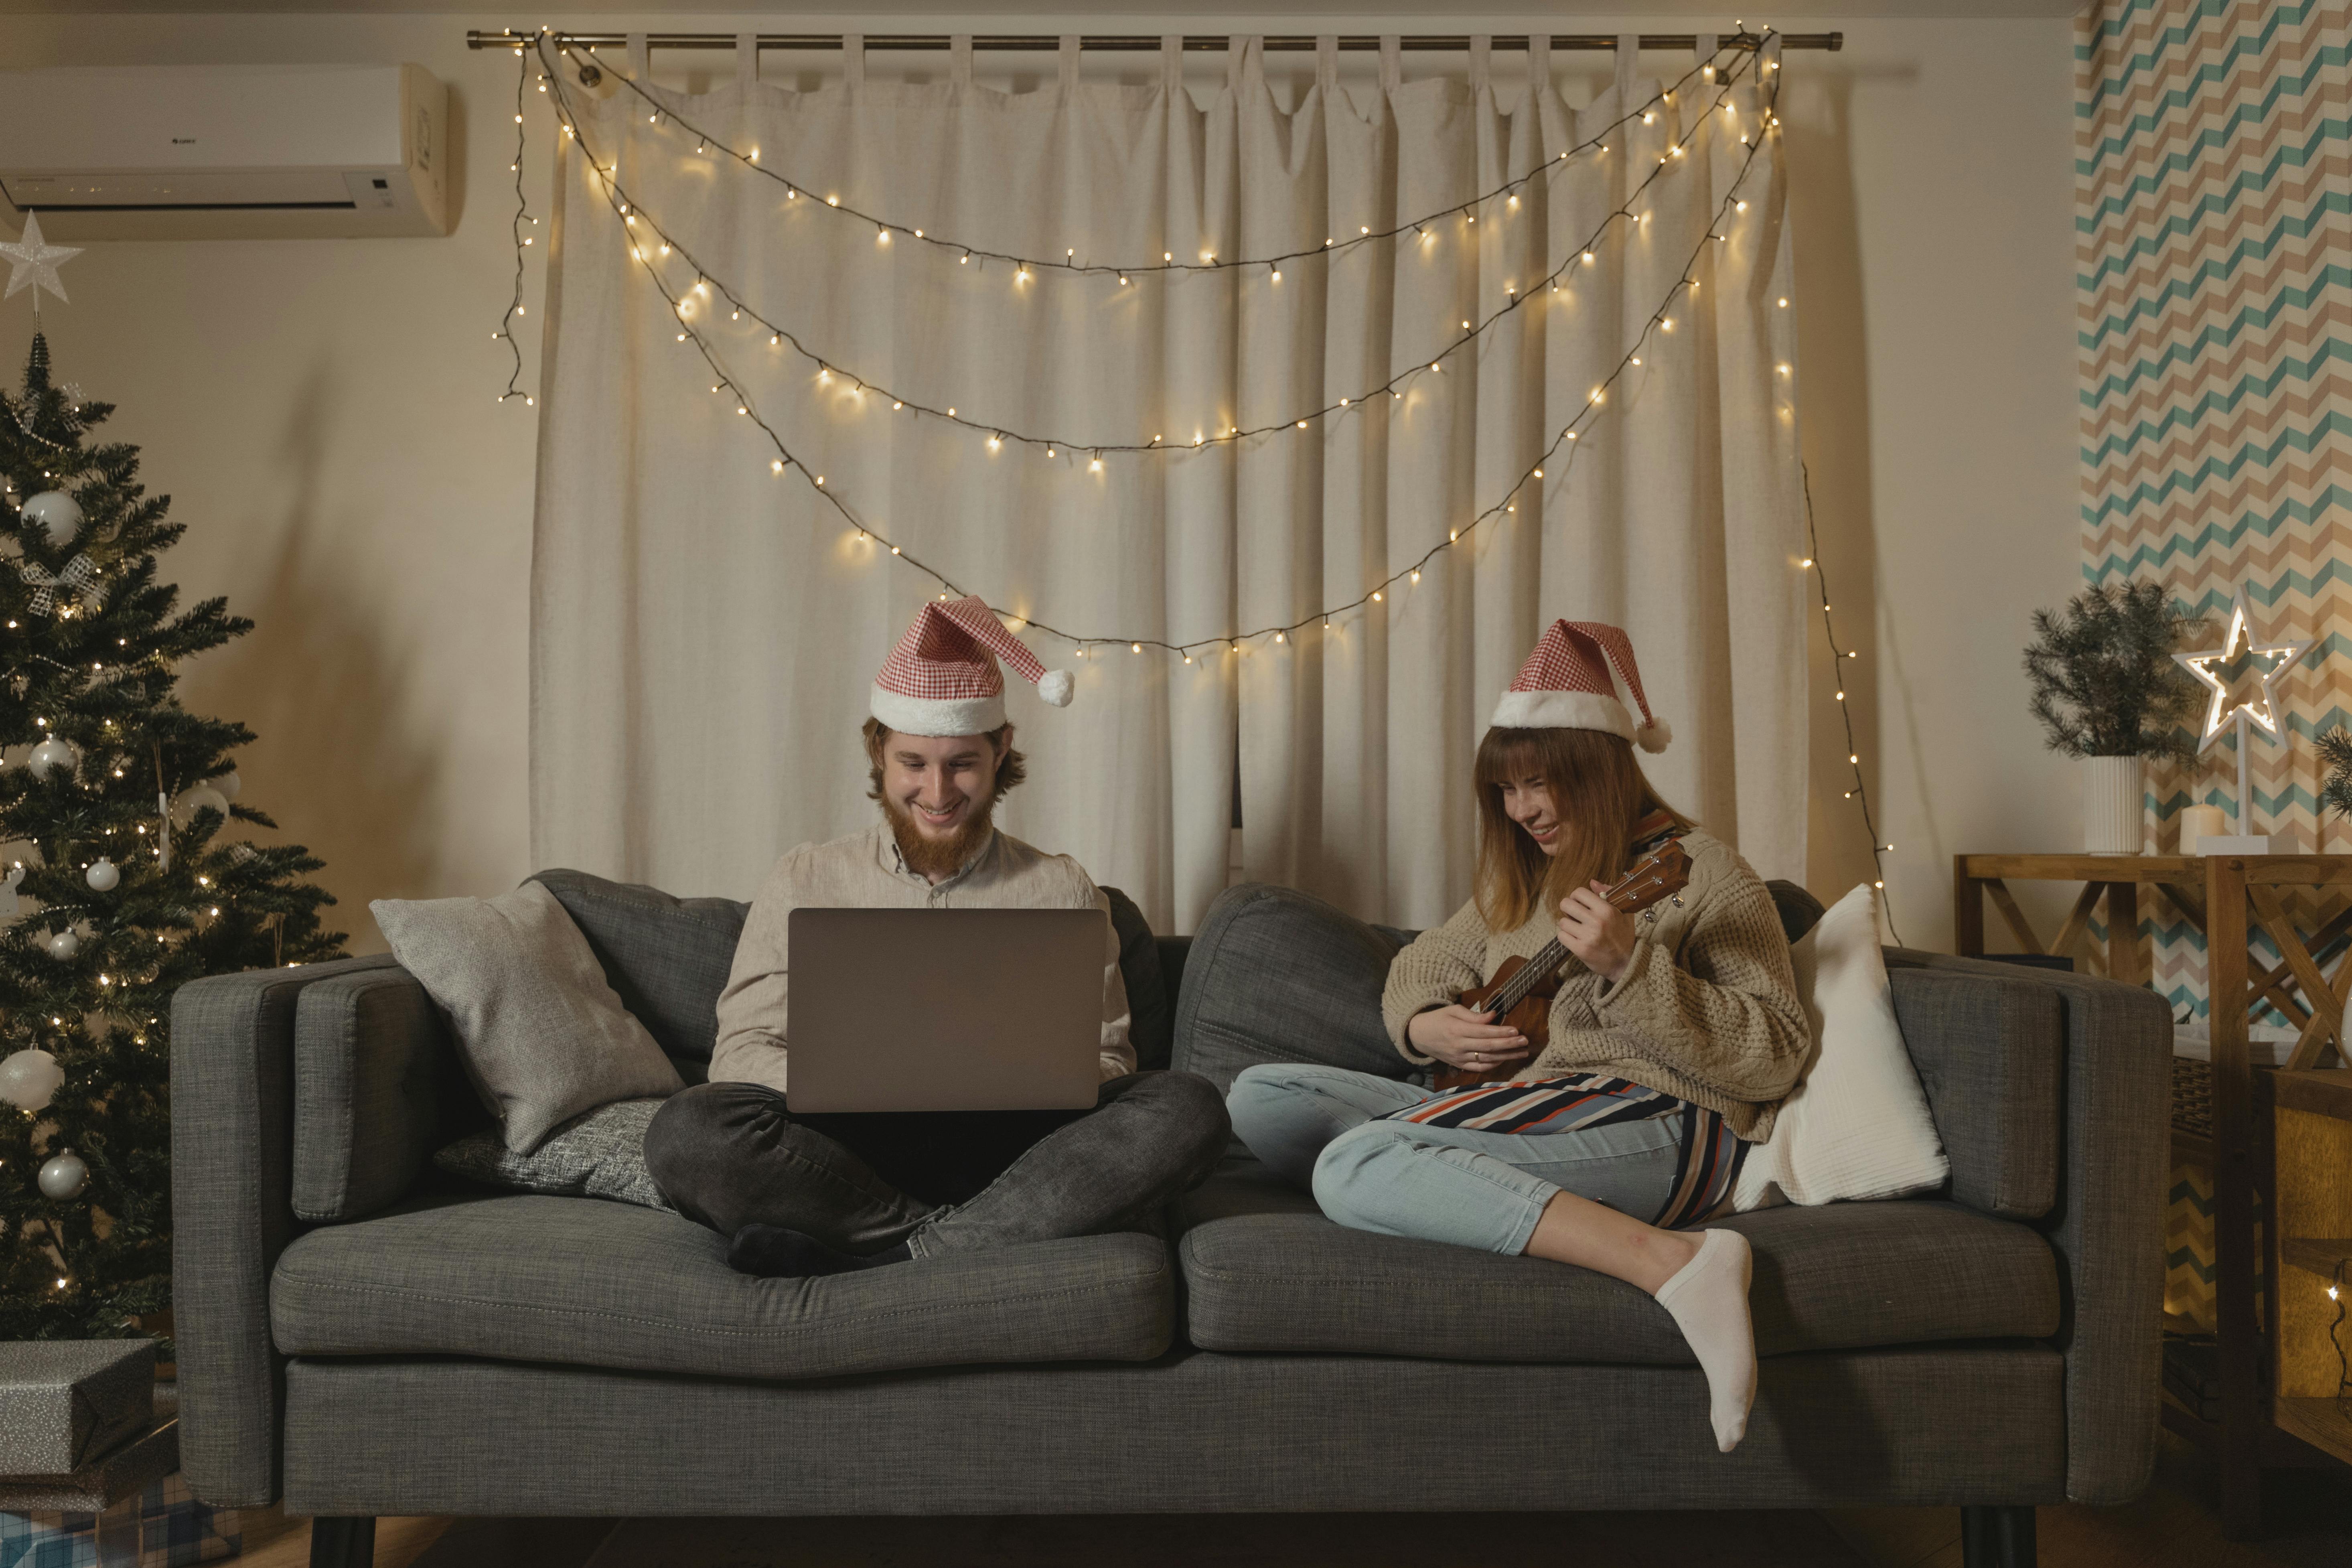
point(1709, 69)
point(1630, 212)
point(1568, 434)
point(522, 219)
point(1860, 791)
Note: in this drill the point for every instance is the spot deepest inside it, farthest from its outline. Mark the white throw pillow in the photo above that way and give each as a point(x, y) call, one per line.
point(543, 1032)
point(1857, 1125)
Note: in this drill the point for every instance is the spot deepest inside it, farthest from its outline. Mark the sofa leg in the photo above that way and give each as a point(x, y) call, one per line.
point(342, 1542)
point(1996, 1537)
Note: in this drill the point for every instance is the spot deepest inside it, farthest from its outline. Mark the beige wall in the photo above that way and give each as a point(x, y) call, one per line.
point(323, 414)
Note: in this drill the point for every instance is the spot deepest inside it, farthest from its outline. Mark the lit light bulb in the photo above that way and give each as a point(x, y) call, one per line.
point(1376, 595)
point(1094, 467)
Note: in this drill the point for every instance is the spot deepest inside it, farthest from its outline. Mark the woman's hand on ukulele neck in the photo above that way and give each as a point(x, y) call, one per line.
point(1597, 932)
point(1462, 1039)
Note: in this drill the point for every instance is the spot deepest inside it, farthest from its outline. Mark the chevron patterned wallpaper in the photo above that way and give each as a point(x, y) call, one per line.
point(2214, 223)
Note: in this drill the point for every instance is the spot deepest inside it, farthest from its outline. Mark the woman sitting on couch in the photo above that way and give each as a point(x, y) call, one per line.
point(1673, 1037)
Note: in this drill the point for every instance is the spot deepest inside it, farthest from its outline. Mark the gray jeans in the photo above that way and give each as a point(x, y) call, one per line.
point(732, 1154)
point(1315, 1126)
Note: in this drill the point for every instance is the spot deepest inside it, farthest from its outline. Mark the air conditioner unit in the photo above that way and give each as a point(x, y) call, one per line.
point(227, 152)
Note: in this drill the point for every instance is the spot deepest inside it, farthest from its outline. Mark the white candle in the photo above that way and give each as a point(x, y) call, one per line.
point(2198, 822)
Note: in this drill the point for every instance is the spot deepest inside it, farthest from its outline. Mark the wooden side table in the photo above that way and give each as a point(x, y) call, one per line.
point(2226, 898)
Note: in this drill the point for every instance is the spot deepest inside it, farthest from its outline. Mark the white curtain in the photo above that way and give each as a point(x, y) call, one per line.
point(704, 630)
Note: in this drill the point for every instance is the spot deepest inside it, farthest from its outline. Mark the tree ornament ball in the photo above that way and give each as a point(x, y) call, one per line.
point(63, 1176)
point(203, 795)
point(103, 874)
point(228, 783)
point(30, 1079)
point(64, 945)
point(57, 513)
point(52, 754)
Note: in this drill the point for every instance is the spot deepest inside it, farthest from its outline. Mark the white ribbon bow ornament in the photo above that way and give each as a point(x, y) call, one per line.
point(81, 577)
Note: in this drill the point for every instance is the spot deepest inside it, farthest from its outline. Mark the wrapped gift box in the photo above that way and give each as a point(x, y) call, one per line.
point(66, 1403)
point(163, 1527)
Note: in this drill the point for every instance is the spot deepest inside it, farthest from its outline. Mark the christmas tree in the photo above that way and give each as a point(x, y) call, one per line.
point(120, 882)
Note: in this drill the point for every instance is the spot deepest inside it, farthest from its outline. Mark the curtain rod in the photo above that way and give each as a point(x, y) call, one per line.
point(1135, 43)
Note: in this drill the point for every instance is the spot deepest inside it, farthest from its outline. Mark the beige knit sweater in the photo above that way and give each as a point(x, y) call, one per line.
point(1707, 1009)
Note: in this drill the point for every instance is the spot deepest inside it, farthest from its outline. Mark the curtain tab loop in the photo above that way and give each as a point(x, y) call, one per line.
point(747, 60)
point(959, 60)
point(641, 60)
point(852, 58)
point(1327, 60)
point(1172, 61)
point(1244, 60)
point(1391, 62)
point(1482, 63)
point(1538, 66)
point(1629, 60)
point(1705, 45)
point(1069, 62)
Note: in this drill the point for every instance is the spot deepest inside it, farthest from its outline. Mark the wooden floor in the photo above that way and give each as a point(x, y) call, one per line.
point(2172, 1526)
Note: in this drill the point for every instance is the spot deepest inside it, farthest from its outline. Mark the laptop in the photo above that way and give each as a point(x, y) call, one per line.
point(945, 1009)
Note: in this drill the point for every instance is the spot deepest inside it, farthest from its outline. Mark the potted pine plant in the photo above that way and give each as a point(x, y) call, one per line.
point(2107, 691)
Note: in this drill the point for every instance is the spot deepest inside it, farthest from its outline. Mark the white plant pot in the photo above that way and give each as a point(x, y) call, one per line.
point(2112, 806)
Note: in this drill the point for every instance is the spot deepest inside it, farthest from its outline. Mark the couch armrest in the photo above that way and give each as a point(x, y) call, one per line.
point(2105, 1218)
point(367, 1051)
point(232, 1214)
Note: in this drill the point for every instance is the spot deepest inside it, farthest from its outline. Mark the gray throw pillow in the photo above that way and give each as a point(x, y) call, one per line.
point(599, 1155)
point(541, 1032)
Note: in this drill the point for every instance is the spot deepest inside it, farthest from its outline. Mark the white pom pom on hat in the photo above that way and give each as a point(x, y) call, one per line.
point(943, 679)
point(1582, 676)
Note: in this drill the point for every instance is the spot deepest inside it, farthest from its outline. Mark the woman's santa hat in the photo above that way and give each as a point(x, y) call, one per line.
point(1582, 676)
point(943, 679)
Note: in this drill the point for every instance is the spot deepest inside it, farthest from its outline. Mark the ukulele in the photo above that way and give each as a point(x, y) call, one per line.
point(1521, 992)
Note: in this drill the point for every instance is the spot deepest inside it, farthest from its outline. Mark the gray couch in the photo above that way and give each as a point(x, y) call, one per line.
point(361, 1336)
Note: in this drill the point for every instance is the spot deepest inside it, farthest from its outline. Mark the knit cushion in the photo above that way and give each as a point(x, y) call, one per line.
point(599, 1155)
point(540, 1031)
point(1856, 1125)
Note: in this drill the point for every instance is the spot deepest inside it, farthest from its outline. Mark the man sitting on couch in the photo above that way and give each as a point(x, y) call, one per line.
point(820, 1195)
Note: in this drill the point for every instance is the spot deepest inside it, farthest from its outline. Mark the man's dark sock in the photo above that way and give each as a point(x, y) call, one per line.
point(772, 1252)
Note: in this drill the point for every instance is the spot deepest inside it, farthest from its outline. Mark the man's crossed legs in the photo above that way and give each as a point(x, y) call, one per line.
point(862, 1187)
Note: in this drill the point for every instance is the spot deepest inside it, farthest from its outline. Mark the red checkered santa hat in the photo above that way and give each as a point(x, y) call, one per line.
point(943, 679)
point(1582, 676)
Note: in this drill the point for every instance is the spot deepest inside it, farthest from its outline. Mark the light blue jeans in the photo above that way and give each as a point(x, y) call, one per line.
point(1316, 1127)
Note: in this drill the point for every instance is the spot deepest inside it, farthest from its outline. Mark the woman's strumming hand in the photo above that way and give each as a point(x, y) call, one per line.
point(1462, 1039)
point(1597, 932)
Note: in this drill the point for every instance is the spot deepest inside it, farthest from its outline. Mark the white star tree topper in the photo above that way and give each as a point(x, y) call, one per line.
point(2271, 662)
point(34, 263)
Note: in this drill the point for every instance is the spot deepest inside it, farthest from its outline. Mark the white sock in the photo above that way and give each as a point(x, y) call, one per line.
point(1709, 1300)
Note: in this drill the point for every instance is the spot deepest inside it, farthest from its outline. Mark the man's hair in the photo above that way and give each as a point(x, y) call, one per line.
point(1012, 767)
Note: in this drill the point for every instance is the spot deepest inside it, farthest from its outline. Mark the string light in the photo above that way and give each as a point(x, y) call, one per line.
point(521, 218)
point(779, 335)
point(1861, 791)
point(615, 197)
point(1068, 262)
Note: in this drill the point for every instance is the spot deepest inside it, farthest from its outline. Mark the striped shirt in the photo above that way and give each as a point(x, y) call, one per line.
point(1708, 1154)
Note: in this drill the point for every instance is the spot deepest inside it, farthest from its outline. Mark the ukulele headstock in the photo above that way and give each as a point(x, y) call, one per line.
point(1660, 874)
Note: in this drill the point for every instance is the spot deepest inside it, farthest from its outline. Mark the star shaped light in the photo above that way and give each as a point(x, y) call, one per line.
point(33, 263)
point(2272, 663)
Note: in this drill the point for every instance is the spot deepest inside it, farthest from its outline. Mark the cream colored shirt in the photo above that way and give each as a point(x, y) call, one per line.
point(866, 871)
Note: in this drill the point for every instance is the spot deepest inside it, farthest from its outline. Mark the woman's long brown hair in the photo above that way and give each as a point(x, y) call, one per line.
point(1598, 794)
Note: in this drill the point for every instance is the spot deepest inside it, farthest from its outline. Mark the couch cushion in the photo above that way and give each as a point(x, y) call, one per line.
point(1277, 976)
point(668, 958)
point(533, 1277)
point(1264, 1270)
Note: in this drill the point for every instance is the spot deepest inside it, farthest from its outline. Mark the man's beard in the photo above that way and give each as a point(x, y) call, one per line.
point(928, 857)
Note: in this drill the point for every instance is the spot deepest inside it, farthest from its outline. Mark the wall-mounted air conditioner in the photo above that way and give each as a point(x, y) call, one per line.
point(227, 152)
